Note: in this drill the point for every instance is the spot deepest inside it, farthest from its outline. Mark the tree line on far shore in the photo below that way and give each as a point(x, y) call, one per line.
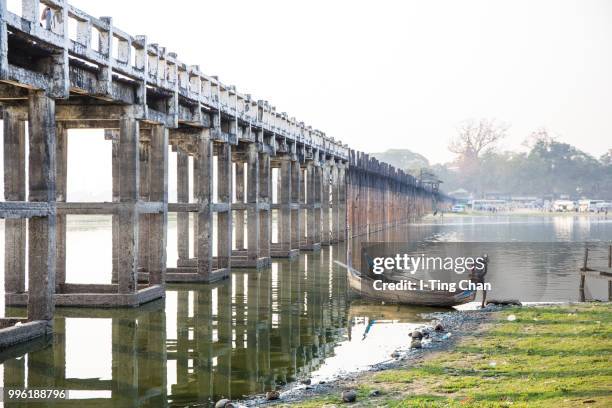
point(549, 168)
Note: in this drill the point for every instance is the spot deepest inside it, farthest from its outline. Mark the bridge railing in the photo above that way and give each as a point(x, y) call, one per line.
point(97, 44)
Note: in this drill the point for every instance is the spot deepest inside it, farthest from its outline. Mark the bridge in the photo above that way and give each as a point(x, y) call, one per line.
point(253, 169)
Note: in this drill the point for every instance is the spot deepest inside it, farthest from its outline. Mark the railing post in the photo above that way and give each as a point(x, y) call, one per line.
point(30, 10)
point(105, 47)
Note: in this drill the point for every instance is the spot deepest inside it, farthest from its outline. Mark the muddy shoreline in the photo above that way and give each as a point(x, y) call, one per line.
point(455, 324)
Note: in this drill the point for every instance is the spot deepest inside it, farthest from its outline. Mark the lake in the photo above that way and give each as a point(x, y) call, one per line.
point(259, 330)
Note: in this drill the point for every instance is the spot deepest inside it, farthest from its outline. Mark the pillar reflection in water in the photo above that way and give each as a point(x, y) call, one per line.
point(123, 366)
point(255, 331)
point(238, 337)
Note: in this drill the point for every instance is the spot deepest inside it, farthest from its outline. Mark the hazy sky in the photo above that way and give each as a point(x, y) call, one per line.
point(400, 74)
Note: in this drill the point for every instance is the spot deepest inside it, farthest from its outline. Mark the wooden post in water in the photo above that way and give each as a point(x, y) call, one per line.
point(610, 266)
point(583, 273)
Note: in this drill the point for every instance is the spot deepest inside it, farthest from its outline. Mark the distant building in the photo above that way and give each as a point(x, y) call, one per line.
point(564, 206)
point(489, 205)
point(526, 202)
point(588, 205)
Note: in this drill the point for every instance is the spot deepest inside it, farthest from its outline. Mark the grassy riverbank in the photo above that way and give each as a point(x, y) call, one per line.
point(556, 356)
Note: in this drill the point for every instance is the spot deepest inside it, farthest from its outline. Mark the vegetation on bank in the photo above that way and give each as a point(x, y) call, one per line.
point(547, 169)
point(543, 357)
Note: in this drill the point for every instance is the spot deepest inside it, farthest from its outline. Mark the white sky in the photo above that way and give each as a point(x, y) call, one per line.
point(400, 74)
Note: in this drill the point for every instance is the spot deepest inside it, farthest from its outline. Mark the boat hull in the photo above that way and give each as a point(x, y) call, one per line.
point(364, 288)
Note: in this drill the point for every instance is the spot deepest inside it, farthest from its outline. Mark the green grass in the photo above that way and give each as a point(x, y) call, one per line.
point(547, 357)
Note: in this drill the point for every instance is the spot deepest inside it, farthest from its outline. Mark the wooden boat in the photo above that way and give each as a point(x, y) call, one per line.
point(440, 298)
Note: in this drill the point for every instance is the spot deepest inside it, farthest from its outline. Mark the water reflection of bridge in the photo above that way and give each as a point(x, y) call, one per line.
point(238, 337)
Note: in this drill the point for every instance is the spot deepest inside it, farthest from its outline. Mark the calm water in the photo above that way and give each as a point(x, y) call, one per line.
point(259, 330)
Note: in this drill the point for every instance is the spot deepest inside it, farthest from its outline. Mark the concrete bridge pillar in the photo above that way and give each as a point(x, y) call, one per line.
point(41, 230)
point(158, 193)
point(342, 202)
point(297, 188)
point(212, 215)
point(285, 206)
point(224, 213)
point(303, 204)
point(265, 199)
point(318, 199)
point(204, 214)
point(61, 182)
point(256, 255)
point(182, 218)
point(14, 190)
point(239, 214)
point(113, 136)
point(312, 222)
point(145, 180)
point(129, 194)
point(196, 184)
point(326, 230)
point(138, 210)
point(285, 248)
point(335, 204)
